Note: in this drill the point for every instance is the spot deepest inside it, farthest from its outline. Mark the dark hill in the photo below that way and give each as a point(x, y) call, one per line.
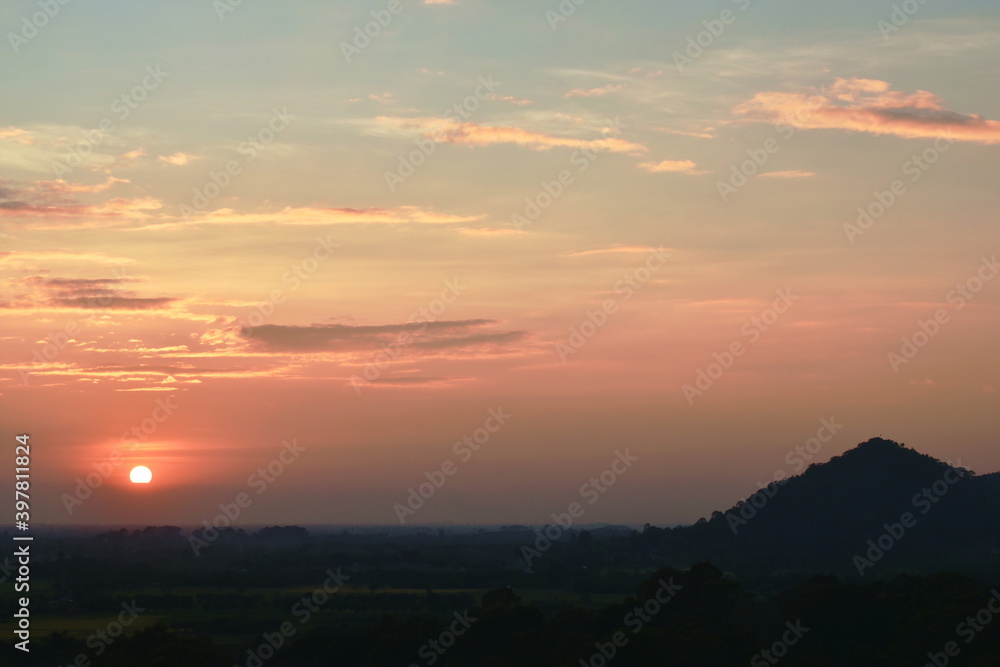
point(893, 508)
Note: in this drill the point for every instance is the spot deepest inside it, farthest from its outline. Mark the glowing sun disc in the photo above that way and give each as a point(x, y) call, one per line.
point(140, 475)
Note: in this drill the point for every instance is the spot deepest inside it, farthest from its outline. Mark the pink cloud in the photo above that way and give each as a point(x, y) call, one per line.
point(57, 199)
point(52, 204)
point(869, 105)
point(619, 249)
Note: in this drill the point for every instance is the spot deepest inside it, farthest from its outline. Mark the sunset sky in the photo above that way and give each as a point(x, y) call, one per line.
point(225, 228)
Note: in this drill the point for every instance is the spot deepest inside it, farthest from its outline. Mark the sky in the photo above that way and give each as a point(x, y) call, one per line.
point(471, 262)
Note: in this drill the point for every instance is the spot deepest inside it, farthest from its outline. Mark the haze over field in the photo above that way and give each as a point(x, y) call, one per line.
point(322, 254)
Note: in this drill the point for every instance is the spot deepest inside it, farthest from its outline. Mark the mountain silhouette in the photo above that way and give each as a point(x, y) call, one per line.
point(877, 510)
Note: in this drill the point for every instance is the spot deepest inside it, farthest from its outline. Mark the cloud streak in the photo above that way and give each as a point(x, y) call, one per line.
point(672, 166)
point(439, 335)
point(869, 105)
point(449, 131)
point(84, 294)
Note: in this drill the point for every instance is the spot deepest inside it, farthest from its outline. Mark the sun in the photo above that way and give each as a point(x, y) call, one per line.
point(140, 475)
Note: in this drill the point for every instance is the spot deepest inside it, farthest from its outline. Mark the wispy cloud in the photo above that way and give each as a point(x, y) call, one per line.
point(314, 215)
point(16, 133)
point(707, 133)
point(438, 335)
point(54, 205)
point(512, 100)
point(618, 249)
point(472, 134)
point(594, 92)
point(672, 166)
point(50, 203)
point(49, 256)
point(793, 173)
point(178, 159)
point(82, 293)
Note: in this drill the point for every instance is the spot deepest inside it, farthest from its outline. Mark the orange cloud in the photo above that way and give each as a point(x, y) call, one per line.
point(47, 256)
point(675, 166)
point(313, 215)
point(126, 159)
point(450, 131)
point(178, 159)
point(869, 105)
point(11, 132)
